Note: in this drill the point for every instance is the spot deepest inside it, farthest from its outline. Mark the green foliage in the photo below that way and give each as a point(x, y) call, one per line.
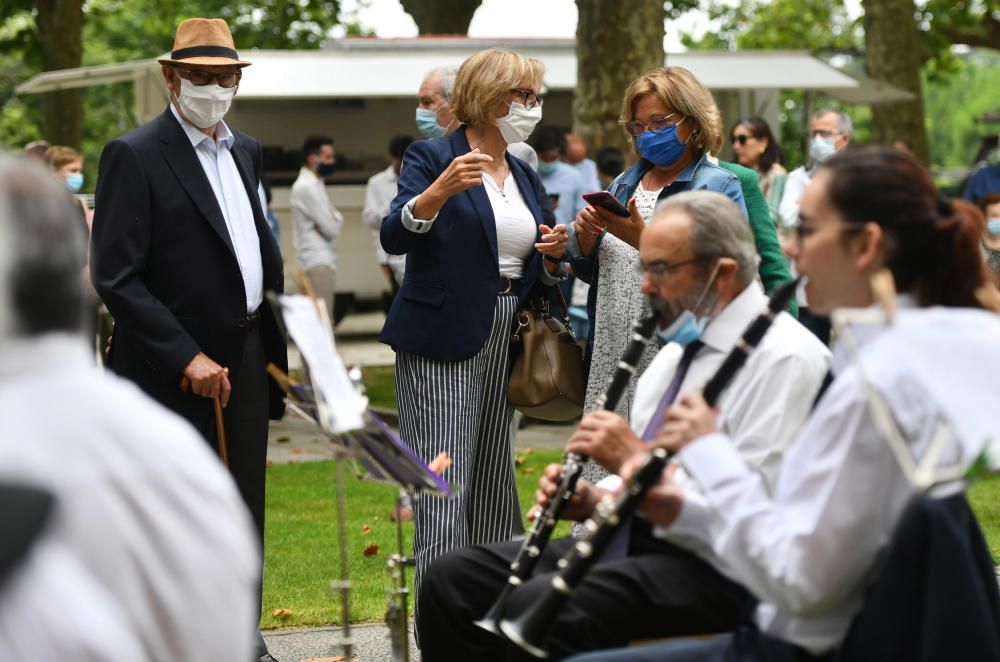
point(955, 104)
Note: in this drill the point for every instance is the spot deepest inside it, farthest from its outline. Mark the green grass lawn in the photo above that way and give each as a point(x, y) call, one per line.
point(301, 541)
point(380, 385)
point(302, 556)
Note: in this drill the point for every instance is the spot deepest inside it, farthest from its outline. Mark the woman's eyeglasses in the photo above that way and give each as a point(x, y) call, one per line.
point(528, 98)
point(657, 124)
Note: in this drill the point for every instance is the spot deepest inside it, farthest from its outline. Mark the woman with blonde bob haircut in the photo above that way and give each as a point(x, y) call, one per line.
point(673, 125)
point(468, 217)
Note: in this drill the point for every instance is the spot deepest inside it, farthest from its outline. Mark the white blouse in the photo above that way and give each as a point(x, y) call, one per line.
point(516, 229)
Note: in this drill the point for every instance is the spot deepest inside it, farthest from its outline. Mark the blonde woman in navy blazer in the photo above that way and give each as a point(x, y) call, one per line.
point(469, 218)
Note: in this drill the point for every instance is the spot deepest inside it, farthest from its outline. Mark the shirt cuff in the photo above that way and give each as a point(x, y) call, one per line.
point(712, 460)
point(691, 523)
point(413, 224)
point(548, 278)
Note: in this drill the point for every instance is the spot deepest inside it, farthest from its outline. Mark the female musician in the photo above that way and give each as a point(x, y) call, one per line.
point(468, 216)
point(809, 552)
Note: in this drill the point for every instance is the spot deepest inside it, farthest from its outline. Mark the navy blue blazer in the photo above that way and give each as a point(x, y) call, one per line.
point(444, 308)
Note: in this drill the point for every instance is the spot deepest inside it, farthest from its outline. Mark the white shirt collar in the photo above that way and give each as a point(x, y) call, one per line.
point(303, 171)
point(727, 327)
point(32, 355)
point(222, 133)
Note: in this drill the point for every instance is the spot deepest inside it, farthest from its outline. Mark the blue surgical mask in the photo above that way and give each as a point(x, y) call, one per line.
point(74, 182)
point(546, 169)
point(820, 149)
point(663, 148)
point(993, 226)
point(427, 123)
point(688, 326)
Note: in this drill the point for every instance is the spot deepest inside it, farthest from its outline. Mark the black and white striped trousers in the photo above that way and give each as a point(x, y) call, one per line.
point(461, 408)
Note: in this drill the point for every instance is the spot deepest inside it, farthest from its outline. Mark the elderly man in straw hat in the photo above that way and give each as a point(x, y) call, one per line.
point(182, 256)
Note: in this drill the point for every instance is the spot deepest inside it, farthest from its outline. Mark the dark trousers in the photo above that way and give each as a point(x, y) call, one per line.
point(747, 644)
point(658, 591)
point(245, 420)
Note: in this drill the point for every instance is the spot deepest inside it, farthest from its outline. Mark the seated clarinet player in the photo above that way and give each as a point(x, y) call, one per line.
point(699, 270)
point(914, 379)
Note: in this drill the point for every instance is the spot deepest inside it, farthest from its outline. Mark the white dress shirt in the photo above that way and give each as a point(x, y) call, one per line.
point(216, 160)
point(316, 223)
point(795, 186)
point(51, 608)
point(379, 194)
point(142, 503)
point(809, 552)
point(516, 229)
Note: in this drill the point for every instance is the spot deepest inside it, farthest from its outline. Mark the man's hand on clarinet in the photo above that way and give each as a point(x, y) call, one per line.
point(208, 379)
point(663, 502)
point(689, 419)
point(606, 438)
point(580, 506)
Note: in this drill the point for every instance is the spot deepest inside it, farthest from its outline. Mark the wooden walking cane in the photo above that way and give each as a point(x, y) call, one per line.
point(220, 428)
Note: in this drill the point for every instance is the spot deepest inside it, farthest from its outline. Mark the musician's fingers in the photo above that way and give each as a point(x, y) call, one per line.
point(552, 471)
point(541, 498)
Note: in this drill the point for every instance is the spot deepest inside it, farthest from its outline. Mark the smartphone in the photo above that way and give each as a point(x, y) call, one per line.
point(605, 200)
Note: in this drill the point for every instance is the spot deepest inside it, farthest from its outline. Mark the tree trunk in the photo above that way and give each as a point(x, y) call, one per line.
point(60, 33)
point(615, 42)
point(892, 54)
point(441, 16)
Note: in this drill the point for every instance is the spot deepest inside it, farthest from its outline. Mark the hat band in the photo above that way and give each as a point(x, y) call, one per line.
point(204, 51)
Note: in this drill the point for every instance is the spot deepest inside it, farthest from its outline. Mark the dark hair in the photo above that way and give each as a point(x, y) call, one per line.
point(985, 201)
point(931, 242)
point(610, 161)
point(398, 145)
point(548, 138)
point(43, 223)
point(313, 144)
point(760, 129)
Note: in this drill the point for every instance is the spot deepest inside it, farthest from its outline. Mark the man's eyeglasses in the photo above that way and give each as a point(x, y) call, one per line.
point(742, 139)
point(824, 133)
point(657, 124)
point(528, 98)
point(198, 77)
point(660, 269)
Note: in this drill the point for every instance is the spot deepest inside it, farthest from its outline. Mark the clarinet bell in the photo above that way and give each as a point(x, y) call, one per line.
point(491, 621)
point(530, 630)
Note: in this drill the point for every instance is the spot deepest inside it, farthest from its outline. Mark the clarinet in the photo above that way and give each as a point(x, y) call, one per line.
point(573, 464)
point(530, 630)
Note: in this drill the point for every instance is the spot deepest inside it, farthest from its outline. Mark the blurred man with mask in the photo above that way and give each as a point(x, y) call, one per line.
point(700, 266)
point(830, 132)
point(148, 552)
point(316, 223)
point(182, 255)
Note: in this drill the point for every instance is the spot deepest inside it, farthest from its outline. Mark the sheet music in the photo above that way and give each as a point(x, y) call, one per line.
point(340, 407)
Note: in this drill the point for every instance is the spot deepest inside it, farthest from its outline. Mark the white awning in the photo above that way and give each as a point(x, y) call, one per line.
point(387, 68)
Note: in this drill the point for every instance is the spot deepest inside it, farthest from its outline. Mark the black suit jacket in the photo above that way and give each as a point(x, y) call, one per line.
point(163, 263)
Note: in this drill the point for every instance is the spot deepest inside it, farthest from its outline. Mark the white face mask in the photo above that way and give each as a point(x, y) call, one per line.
point(519, 122)
point(204, 105)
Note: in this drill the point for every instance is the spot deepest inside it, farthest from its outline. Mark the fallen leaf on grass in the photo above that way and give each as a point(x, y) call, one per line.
point(296, 451)
point(528, 451)
point(528, 470)
point(519, 460)
point(365, 530)
point(282, 613)
point(371, 550)
point(269, 463)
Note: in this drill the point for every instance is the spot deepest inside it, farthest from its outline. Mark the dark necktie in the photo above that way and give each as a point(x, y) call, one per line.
point(618, 547)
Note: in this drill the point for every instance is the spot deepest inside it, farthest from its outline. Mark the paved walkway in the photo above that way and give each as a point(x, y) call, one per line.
point(296, 440)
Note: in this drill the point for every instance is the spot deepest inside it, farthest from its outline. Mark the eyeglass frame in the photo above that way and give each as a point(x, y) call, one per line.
point(212, 77)
point(824, 133)
point(645, 127)
point(526, 94)
point(742, 139)
point(663, 267)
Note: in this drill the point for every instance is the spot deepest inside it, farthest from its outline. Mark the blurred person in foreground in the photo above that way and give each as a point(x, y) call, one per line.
point(810, 549)
point(468, 217)
point(756, 148)
point(182, 255)
point(146, 523)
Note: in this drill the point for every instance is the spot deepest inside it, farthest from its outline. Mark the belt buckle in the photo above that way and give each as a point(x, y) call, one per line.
point(505, 279)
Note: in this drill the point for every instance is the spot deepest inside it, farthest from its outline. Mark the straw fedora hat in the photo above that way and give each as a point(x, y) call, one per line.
point(204, 41)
